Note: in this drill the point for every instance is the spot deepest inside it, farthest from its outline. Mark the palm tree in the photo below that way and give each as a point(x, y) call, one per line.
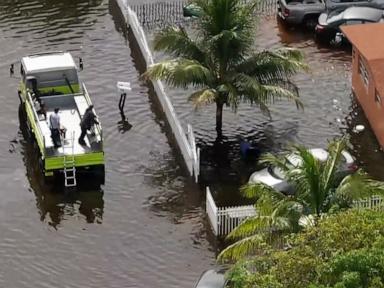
point(319, 189)
point(220, 62)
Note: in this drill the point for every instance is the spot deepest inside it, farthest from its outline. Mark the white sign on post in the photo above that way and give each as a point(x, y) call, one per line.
point(124, 86)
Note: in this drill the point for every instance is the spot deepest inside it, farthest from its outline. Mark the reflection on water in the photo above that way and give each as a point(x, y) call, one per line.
point(141, 242)
point(54, 202)
point(366, 149)
point(324, 90)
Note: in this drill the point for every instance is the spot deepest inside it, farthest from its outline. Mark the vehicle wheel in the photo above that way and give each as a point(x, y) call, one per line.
point(283, 24)
point(310, 22)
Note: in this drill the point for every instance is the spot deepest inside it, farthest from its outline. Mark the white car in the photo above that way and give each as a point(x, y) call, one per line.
point(274, 177)
point(213, 278)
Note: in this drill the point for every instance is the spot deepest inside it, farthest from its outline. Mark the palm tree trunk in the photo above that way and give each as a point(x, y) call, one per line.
point(219, 117)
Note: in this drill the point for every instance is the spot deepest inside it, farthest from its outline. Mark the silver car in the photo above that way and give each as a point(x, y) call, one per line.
point(213, 278)
point(274, 177)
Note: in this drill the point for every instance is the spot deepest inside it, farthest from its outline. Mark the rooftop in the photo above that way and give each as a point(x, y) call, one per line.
point(48, 62)
point(367, 38)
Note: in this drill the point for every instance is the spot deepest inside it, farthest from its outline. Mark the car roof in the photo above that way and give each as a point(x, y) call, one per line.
point(211, 279)
point(318, 153)
point(367, 13)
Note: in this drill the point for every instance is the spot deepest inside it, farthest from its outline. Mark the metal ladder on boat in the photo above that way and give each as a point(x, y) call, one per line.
point(69, 164)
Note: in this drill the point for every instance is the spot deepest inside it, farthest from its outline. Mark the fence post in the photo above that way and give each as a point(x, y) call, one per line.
point(212, 211)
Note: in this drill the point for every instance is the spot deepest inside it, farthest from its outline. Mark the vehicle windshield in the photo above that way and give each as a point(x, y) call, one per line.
point(292, 160)
point(334, 16)
point(276, 172)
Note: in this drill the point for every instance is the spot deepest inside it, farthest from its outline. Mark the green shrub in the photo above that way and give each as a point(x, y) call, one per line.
point(341, 251)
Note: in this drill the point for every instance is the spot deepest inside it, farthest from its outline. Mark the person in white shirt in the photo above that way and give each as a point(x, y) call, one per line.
point(56, 128)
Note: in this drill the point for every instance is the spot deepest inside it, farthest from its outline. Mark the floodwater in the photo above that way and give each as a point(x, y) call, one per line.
point(329, 111)
point(146, 226)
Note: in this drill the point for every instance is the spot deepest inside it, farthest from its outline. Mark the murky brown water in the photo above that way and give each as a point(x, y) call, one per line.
point(146, 226)
point(330, 111)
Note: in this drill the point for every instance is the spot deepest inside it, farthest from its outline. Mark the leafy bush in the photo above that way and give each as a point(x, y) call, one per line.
point(343, 251)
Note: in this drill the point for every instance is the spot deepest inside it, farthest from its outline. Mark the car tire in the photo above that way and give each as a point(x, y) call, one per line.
point(310, 22)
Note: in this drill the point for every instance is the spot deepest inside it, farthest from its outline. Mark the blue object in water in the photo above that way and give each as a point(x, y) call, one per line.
point(248, 150)
point(244, 147)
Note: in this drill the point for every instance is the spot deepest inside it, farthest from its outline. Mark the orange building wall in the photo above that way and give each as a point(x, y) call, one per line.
point(374, 111)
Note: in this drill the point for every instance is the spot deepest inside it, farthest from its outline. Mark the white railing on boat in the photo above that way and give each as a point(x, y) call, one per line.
point(40, 137)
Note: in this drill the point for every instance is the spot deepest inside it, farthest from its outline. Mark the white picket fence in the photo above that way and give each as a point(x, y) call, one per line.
point(224, 219)
point(186, 142)
point(375, 203)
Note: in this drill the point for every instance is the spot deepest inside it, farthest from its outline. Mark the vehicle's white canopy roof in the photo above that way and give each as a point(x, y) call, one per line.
point(48, 62)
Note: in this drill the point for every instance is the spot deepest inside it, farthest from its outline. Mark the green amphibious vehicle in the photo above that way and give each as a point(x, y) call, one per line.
point(50, 81)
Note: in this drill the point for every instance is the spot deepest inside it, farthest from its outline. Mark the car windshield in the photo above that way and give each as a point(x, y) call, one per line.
point(277, 172)
point(334, 16)
point(292, 160)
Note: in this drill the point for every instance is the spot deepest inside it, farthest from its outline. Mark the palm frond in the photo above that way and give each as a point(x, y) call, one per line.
point(306, 179)
point(279, 161)
point(227, 27)
point(180, 73)
point(243, 248)
point(230, 94)
point(251, 226)
point(268, 66)
point(176, 42)
point(359, 186)
point(203, 97)
point(255, 92)
point(335, 149)
point(257, 190)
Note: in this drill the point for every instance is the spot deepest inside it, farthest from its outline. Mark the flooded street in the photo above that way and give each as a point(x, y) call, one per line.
point(146, 226)
point(329, 111)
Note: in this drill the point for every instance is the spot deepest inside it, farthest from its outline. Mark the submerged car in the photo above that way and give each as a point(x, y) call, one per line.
point(213, 278)
point(340, 5)
point(274, 176)
point(329, 24)
point(296, 12)
point(191, 10)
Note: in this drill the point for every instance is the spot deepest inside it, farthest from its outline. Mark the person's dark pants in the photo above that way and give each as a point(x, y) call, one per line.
point(55, 134)
point(82, 135)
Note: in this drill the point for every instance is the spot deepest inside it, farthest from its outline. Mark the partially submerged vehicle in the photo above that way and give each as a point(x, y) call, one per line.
point(329, 24)
point(50, 81)
point(192, 10)
point(275, 177)
point(297, 12)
